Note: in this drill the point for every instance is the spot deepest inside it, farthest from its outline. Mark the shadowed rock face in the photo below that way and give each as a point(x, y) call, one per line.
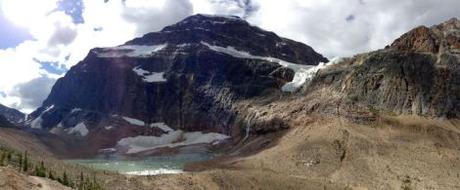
point(444, 37)
point(418, 74)
point(180, 81)
point(4, 122)
point(11, 115)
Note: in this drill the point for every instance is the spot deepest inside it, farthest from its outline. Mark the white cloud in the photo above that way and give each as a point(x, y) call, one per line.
point(58, 39)
point(332, 27)
point(224, 7)
point(323, 24)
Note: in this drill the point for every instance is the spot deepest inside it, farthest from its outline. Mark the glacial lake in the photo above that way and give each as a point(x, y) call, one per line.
point(146, 166)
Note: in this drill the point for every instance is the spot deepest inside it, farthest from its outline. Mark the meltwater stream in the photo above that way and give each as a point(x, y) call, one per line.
point(155, 165)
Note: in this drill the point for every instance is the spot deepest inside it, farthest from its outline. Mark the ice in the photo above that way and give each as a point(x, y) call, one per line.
point(171, 139)
point(75, 110)
point(162, 126)
point(155, 77)
point(302, 72)
point(160, 171)
point(150, 76)
point(79, 129)
point(131, 51)
point(36, 123)
point(133, 121)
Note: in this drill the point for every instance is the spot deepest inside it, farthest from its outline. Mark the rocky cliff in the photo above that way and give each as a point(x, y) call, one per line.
point(187, 76)
point(12, 115)
point(418, 74)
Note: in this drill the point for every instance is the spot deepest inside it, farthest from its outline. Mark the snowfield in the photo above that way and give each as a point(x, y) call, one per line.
point(171, 139)
point(131, 51)
point(150, 77)
point(303, 73)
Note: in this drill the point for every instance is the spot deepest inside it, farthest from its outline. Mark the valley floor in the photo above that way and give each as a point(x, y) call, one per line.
point(317, 152)
point(332, 153)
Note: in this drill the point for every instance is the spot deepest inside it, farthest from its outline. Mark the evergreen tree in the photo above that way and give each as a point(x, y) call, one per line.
point(65, 179)
point(40, 171)
point(2, 159)
point(26, 163)
point(8, 157)
point(51, 176)
point(20, 161)
point(81, 183)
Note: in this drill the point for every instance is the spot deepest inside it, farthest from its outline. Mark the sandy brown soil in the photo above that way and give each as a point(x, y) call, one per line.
point(354, 149)
point(402, 152)
point(10, 179)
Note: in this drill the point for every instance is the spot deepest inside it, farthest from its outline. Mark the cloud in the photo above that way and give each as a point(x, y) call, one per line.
point(32, 93)
point(146, 15)
point(325, 25)
point(241, 8)
point(64, 31)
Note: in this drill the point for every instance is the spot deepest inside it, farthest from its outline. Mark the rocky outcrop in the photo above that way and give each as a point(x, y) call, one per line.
point(418, 74)
point(4, 122)
point(420, 39)
point(12, 115)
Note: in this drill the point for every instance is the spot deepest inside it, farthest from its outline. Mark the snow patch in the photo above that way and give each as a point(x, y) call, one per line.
point(131, 51)
point(108, 127)
point(76, 110)
point(48, 109)
point(37, 123)
point(79, 129)
point(155, 77)
point(171, 139)
point(162, 126)
point(150, 77)
point(133, 121)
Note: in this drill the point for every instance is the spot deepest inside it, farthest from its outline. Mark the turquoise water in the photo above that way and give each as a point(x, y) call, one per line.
point(146, 166)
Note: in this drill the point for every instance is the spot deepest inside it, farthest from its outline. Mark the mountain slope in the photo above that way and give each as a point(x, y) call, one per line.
point(386, 119)
point(187, 76)
point(419, 74)
point(12, 115)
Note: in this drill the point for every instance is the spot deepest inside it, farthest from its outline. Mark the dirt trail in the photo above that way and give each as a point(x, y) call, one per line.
point(45, 184)
point(11, 179)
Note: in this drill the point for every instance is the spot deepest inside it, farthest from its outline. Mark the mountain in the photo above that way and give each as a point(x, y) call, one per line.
point(12, 115)
point(386, 119)
point(4, 122)
point(185, 77)
point(418, 74)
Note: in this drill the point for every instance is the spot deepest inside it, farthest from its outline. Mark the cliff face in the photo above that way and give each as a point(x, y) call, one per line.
point(418, 74)
point(11, 115)
point(187, 76)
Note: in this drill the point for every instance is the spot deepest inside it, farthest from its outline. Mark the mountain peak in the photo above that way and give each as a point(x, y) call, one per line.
point(438, 38)
point(234, 32)
point(206, 21)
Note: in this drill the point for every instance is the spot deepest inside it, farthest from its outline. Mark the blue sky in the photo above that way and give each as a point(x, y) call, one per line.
point(10, 35)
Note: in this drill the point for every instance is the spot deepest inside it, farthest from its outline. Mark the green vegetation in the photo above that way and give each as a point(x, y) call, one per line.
point(24, 164)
